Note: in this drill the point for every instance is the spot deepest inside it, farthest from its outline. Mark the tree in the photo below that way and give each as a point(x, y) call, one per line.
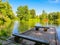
point(32, 13)
point(0, 0)
point(43, 15)
point(9, 11)
point(22, 12)
point(53, 16)
point(58, 15)
point(6, 13)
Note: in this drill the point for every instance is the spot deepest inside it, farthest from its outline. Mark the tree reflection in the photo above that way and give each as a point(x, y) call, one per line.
point(50, 22)
point(5, 30)
point(54, 22)
point(26, 25)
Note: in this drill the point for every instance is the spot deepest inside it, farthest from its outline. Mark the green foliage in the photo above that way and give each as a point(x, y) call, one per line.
point(3, 33)
point(32, 13)
point(9, 11)
point(6, 13)
point(0, 0)
point(0, 43)
point(43, 15)
point(51, 16)
point(54, 16)
point(22, 12)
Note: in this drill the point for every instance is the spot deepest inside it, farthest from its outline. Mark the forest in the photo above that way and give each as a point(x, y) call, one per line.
point(26, 14)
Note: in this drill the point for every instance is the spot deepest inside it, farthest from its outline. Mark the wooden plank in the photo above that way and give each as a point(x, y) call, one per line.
point(48, 37)
point(58, 42)
point(41, 27)
point(31, 39)
point(52, 36)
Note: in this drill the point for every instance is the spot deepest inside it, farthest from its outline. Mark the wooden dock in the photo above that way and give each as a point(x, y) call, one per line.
point(48, 37)
point(40, 37)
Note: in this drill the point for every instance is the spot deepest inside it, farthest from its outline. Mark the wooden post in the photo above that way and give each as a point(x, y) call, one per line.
point(37, 28)
point(17, 39)
point(38, 43)
point(45, 29)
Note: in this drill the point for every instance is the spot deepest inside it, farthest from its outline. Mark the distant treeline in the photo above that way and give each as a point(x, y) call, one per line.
point(50, 16)
point(24, 13)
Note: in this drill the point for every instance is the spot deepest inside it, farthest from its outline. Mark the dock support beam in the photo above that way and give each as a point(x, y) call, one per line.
point(40, 44)
point(17, 39)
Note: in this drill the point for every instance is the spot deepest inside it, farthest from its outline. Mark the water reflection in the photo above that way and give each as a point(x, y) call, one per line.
point(55, 23)
point(18, 27)
point(24, 26)
point(6, 29)
point(58, 32)
point(15, 29)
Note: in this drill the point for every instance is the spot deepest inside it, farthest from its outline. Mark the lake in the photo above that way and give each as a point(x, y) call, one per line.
point(7, 29)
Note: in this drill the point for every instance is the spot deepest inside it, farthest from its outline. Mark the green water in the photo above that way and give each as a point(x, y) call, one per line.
point(7, 29)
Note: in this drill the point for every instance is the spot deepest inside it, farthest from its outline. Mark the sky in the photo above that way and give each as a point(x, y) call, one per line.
point(38, 5)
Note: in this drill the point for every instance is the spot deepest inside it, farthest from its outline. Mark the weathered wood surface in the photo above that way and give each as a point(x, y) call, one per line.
point(58, 42)
point(32, 39)
point(49, 35)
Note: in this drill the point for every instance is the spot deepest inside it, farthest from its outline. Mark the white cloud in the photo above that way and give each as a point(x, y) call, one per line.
point(54, 1)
